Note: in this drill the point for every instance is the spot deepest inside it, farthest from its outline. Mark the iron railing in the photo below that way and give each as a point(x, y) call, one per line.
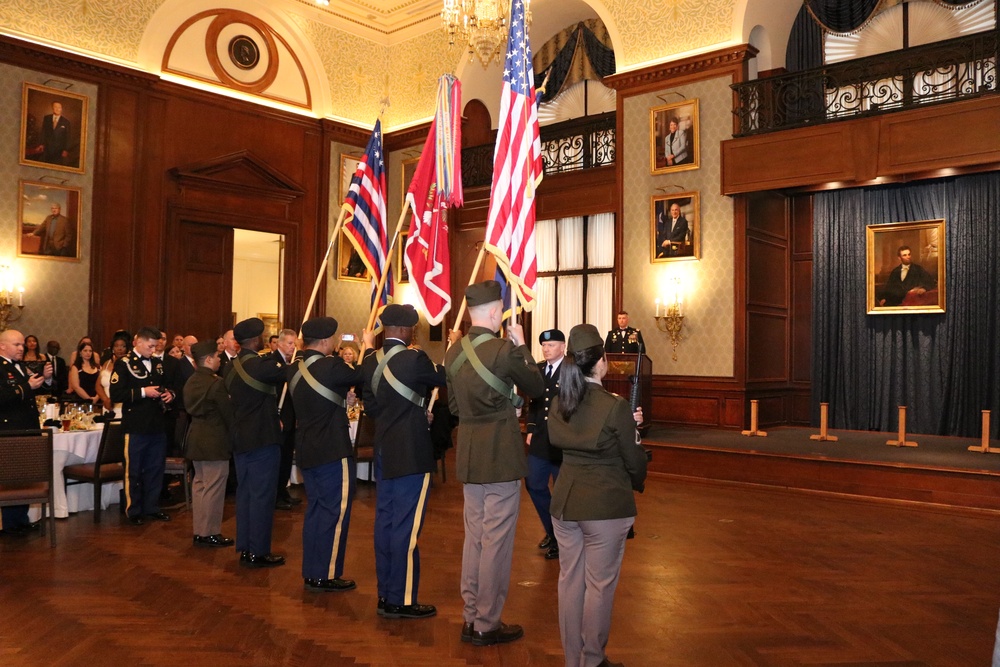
point(956, 69)
point(581, 143)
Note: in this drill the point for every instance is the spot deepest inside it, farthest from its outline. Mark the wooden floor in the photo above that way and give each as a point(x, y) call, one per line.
point(719, 574)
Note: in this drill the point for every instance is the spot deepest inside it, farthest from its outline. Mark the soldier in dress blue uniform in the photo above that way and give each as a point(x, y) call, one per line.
point(544, 460)
point(251, 381)
point(397, 380)
point(318, 384)
point(137, 382)
point(624, 339)
point(18, 411)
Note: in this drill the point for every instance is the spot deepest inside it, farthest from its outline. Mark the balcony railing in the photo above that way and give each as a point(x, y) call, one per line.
point(961, 68)
point(581, 143)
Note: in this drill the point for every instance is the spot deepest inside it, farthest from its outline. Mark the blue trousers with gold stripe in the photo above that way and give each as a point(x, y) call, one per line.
point(330, 493)
point(145, 456)
point(399, 517)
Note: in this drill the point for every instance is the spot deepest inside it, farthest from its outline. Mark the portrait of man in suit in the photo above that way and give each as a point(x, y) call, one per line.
point(50, 221)
point(674, 226)
point(54, 133)
point(906, 267)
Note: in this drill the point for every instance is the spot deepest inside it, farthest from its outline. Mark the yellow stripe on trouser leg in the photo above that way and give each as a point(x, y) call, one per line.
point(128, 494)
point(345, 490)
point(408, 592)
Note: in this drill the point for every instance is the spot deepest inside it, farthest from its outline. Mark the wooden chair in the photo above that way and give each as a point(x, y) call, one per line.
point(364, 443)
point(109, 466)
point(178, 465)
point(26, 472)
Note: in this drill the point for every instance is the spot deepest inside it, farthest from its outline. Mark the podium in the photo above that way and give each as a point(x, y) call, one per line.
point(621, 371)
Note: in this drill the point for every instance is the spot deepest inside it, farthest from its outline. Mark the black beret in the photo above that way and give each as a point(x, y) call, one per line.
point(319, 328)
point(583, 336)
point(487, 291)
point(399, 315)
point(552, 336)
point(203, 349)
point(248, 329)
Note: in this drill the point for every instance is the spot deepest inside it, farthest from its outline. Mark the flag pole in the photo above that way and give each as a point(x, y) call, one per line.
point(458, 318)
point(322, 267)
point(319, 279)
point(385, 272)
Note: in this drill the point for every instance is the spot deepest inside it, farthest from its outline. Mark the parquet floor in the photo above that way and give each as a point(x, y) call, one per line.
point(718, 575)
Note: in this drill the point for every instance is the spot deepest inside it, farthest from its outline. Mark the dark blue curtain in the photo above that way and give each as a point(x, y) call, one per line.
point(805, 41)
point(943, 367)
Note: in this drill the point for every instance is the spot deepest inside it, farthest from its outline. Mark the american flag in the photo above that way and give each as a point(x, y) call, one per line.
point(364, 224)
point(517, 167)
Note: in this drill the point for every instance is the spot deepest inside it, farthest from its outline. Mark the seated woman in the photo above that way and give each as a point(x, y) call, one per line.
point(592, 502)
point(83, 375)
point(119, 348)
point(34, 359)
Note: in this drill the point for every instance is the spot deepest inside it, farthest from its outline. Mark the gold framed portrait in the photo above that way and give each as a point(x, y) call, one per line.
point(674, 227)
point(350, 266)
point(906, 267)
point(53, 128)
point(409, 169)
point(674, 137)
point(49, 221)
point(348, 166)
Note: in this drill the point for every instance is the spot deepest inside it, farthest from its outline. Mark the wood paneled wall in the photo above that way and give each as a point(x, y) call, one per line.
point(943, 140)
point(148, 129)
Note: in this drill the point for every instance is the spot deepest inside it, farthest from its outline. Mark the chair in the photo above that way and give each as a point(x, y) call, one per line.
point(109, 466)
point(178, 465)
point(364, 443)
point(26, 472)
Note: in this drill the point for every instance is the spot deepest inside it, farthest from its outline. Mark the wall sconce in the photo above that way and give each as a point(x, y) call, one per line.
point(7, 297)
point(670, 316)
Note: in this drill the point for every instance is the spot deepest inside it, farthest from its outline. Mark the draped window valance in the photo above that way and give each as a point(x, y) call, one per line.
point(581, 51)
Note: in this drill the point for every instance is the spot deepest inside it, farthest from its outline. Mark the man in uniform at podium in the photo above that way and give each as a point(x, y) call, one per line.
point(624, 339)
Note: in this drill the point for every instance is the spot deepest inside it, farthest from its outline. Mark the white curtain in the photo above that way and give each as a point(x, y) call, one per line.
point(601, 241)
point(545, 245)
point(599, 301)
point(570, 243)
point(570, 306)
point(543, 315)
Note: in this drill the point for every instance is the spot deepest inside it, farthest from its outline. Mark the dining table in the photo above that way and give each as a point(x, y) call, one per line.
point(71, 448)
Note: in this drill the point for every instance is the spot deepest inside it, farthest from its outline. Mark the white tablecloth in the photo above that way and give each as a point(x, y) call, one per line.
point(69, 449)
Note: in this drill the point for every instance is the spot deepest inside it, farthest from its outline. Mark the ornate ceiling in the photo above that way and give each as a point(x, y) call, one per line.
point(386, 21)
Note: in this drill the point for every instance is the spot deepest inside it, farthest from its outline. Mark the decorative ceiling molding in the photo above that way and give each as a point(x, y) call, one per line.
point(687, 69)
point(388, 22)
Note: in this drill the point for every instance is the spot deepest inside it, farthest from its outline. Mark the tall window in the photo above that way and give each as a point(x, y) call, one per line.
point(575, 274)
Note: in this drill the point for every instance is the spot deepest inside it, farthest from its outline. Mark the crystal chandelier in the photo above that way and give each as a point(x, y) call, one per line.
point(481, 25)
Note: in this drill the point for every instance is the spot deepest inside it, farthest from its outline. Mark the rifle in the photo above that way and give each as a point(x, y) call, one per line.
point(635, 397)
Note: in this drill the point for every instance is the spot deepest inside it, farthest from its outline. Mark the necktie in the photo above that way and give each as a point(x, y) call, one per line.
point(548, 371)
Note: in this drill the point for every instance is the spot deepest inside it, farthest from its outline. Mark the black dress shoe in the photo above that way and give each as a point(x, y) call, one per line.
point(631, 534)
point(136, 520)
point(501, 635)
point(282, 504)
point(547, 543)
point(380, 608)
point(212, 541)
point(329, 585)
point(159, 516)
point(553, 553)
point(294, 500)
point(467, 632)
point(410, 610)
point(261, 560)
point(608, 663)
point(33, 527)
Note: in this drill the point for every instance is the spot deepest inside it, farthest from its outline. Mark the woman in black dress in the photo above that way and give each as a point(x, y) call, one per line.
point(84, 373)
